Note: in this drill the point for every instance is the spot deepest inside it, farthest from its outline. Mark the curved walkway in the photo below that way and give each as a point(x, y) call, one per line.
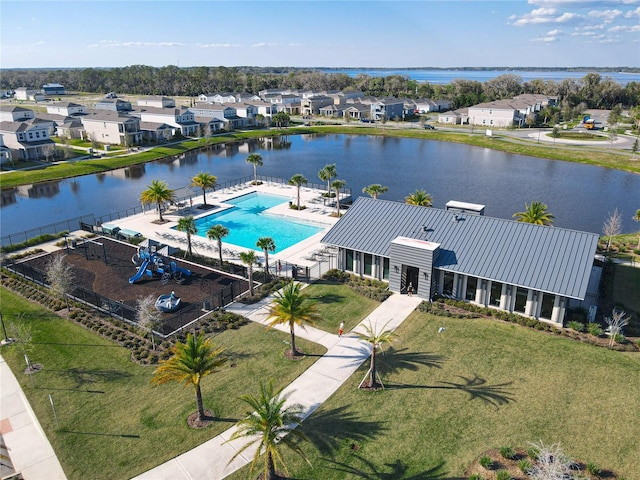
point(344, 355)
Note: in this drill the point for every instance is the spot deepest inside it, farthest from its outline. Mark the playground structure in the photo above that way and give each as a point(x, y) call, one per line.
point(153, 264)
point(168, 303)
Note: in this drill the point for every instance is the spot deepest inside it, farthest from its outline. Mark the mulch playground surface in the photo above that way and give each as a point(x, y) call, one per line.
point(112, 279)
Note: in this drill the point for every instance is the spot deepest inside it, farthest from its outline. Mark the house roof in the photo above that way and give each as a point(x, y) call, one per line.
point(548, 259)
point(14, 108)
point(107, 116)
point(65, 104)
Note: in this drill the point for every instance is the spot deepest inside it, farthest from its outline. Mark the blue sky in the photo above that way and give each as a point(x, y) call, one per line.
point(300, 33)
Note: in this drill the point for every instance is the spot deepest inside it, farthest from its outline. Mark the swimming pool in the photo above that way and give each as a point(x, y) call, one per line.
point(247, 222)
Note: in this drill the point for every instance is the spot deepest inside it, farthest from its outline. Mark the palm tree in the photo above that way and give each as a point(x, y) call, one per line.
point(266, 244)
point(204, 180)
point(326, 174)
point(218, 232)
point(376, 340)
point(188, 226)
point(636, 217)
point(290, 307)
point(337, 185)
point(419, 198)
point(374, 190)
point(298, 180)
point(189, 363)
point(256, 160)
point(249, 258)
point(158, 192)
point(270, 424)
point(535, 213)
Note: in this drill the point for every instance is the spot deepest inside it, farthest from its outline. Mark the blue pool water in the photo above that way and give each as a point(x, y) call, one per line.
point(247, 222)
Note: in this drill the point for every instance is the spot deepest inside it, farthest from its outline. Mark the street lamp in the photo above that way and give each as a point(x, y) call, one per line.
point(6, 339)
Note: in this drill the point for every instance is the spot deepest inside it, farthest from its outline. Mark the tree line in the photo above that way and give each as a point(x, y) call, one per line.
point(593, 90)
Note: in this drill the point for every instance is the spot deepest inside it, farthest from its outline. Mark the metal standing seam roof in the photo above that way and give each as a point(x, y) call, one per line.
point(548, 259)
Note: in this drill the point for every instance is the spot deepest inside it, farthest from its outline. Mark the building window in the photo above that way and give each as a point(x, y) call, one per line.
point(385, 269)
point(472, 286)
point(547, 305)
point(521, 300)
point(447, 285)
point(349, 260)
point(368, 264)
point(496, 292)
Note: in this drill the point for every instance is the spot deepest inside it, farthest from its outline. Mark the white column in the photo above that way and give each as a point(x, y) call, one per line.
point(557, 316)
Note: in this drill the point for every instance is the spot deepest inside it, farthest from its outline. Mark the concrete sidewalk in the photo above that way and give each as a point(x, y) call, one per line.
point(344, 355)
point(30, 451)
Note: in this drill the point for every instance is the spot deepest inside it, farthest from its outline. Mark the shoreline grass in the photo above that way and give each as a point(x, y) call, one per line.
point(585, 155)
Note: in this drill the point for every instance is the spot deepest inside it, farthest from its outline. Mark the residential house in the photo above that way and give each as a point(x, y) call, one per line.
point(388, 107)
point(529, 269)
point(209, 125)
point(244, 110)
point(27, 141)
point(5, 157)
point(426, 105)
point(226, 113)
point(156, 101)
point(66, 108)
point(498, 113)
point(28, 94)
point(311, 105)
point(53, 89)
point(13, 113)
point(180, 118)
point(266, 109)
point(357, 111)
point(157, 132)
point(71, 127)
point(333, 110)
point(453, 117)
point(112, 128)
point(227, 97)
point(113, 104)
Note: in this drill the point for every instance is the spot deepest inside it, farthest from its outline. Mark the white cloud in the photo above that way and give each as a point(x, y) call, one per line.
point(219, 45)
point(607, 16)
point(633, 13)
point(542, 16)
point(554, 32)
point(546, 39)
point(120, 44)
point(625, 28)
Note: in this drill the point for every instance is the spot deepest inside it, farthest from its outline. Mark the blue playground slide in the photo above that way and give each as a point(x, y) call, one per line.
point(140, 271)
point(183, 271)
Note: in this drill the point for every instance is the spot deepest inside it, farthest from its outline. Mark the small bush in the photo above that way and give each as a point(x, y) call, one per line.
point(593, 469)
point(595, 329)
point(476, 476)
point(507, 452)
point(486, 462)
point(524, 465)
point(577, 326)
point(619, 338)
point(503, 475)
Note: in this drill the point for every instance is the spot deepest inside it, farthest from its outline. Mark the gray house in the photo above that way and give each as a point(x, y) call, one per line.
point(529, 269)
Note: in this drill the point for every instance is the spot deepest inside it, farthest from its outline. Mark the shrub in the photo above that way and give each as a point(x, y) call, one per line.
point(595, 329)
point(593, 469)
point(507, 452)
point(619, 338)
point(524, 465)
point(476, 476)
point(486, 462)
point(503, 475)
point(533, 453)
point(577, 326)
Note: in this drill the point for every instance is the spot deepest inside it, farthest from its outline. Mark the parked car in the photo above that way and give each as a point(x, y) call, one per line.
point(426, 126)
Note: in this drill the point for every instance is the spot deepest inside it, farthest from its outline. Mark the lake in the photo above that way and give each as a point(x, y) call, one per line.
point(580, 196)
point(446, 76)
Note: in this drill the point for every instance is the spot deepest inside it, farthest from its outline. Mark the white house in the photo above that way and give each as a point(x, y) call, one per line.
point(181, 119)
point(156, 101)
point(5, 154)
point(28, 94)
point(66, 108)
point(113, 104)
point(499, 113)
point(27, 141)
point(112, 128)
point(226, 113)
point(13, 113)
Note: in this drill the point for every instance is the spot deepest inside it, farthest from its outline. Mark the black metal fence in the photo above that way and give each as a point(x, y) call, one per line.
point(68, 225)
point(117, 309)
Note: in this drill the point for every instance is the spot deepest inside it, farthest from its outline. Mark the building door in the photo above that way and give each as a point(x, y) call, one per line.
point(410, 277)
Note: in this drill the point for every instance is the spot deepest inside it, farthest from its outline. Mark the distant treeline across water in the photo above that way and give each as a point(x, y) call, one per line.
point(462, 88)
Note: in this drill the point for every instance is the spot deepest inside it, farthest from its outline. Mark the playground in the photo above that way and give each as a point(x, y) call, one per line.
point(132, 272)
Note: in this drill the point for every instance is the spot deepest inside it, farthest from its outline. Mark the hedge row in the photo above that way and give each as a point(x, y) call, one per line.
point(367, 287)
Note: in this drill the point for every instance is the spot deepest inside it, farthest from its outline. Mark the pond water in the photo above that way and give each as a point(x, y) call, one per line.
point(580, 196)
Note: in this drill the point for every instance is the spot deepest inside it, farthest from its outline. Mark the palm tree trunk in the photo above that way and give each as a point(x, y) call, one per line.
point(293, 340)
point(199, 401)
point(160, 211)
point(271, 468)
point(298, 197)
point(338, 202)
point(255, 174)
point(220, 251)
point(372, 368)
point(251, 280)
point(266, 264)
point(204, 196)
point(189, 244)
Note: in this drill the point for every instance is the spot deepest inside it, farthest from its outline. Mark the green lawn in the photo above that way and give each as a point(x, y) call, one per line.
point(480, 384)
point(113, 423)
point(338, 303)
point(626, 288)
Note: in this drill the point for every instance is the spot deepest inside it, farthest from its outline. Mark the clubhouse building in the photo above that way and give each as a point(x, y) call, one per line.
point(459, 253)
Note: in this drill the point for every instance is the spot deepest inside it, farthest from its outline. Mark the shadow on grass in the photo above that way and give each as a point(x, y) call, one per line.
point(476, 387)
point(120, 435)
point(83, 376)
point(327, 298)
point(393, 361)
point(327, 430)
point(397, 470)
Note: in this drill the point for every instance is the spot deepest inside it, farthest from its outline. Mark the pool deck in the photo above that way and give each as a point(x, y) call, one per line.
point(302, 253)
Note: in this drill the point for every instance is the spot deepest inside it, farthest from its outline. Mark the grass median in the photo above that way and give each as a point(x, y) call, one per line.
point(112, 422)
point(480, 384)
